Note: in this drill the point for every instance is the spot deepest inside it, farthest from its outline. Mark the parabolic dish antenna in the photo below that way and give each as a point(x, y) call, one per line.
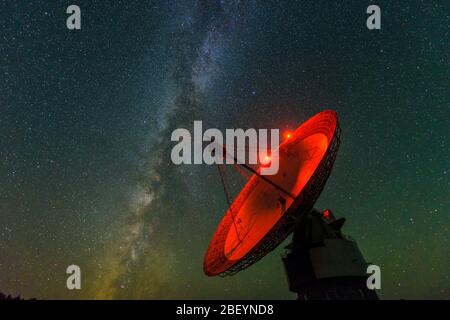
point(268, 208)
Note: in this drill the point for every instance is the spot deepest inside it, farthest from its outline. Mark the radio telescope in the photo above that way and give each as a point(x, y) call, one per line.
point(320, 262)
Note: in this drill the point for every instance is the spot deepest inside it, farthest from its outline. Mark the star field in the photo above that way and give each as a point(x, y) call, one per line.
point(86, 117)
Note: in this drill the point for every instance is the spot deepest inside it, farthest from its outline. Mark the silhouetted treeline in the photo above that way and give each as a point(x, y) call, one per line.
point(9, 297)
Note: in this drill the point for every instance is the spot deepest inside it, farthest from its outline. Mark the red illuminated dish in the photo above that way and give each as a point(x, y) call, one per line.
point(262, 215)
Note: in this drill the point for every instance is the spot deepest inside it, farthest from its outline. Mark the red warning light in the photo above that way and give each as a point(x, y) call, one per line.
point(266, 162)
point(326, 214)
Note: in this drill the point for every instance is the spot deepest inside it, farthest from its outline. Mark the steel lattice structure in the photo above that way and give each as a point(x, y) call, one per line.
point(304, 202)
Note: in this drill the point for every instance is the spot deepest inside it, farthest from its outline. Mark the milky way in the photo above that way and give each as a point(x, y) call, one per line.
point(139, 241)
point(86, 118)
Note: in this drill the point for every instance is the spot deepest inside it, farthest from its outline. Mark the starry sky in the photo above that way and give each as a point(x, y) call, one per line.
point(86, 118)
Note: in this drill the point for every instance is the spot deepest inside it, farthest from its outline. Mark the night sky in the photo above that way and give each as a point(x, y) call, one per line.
point(86, 118)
